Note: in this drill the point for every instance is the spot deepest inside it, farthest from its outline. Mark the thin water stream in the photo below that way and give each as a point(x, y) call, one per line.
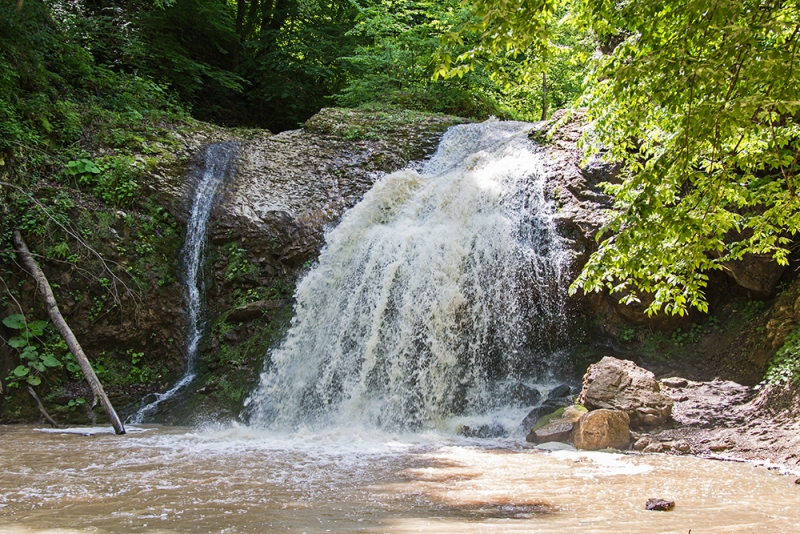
point(219, 158)
point(236, 480)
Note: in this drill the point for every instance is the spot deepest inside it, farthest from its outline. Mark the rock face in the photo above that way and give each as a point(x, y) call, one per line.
point(269, 223)
point(601, 429)
point(759, 274)
point(622, 385)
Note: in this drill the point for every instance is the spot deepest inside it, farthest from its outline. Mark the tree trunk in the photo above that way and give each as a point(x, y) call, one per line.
point(65, 331)
point(544, 96)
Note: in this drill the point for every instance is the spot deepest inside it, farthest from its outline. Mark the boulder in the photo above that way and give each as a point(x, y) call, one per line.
point(555, 427)
point(601, 429)
point(551, 404)
point(558, 430)
point(622, 385)
point(759, 274)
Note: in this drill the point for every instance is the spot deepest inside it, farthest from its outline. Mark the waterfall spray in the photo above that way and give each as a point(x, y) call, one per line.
point(433, 297)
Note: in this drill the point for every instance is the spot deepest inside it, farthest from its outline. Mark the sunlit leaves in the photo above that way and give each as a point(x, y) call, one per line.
point(699, 100)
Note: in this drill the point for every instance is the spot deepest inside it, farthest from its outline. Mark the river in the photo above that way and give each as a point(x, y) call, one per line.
point(236, 479)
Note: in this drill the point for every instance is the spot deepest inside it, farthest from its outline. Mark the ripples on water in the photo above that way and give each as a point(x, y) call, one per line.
point(235, 479)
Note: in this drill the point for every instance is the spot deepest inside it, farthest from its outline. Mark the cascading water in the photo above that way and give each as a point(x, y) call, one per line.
point(438, 295)
point(219, 159)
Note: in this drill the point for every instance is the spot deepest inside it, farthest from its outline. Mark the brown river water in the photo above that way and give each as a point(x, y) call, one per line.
point(235, 479)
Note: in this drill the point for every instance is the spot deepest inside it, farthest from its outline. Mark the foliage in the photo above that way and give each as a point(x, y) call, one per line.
point(534, 50)
point(700, 101)
point(34, 361)
point(709, 136)
point(394, 65)
point(239, 267)
point(784, 368)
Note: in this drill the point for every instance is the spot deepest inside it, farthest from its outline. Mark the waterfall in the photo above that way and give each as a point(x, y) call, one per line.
point(219, 159)
point(440, 294)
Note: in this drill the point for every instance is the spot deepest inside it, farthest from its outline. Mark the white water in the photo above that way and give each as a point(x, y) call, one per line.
point(218, 161)
point(435, 297)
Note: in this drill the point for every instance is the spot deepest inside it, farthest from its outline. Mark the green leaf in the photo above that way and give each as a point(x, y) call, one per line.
point(34, 380)
point(17, 342)
point(16, 321)
point(37, 327)
point(50, 361)
point(21, 370)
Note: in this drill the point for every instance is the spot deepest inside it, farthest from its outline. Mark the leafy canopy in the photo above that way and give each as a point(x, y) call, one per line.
point(700, 100)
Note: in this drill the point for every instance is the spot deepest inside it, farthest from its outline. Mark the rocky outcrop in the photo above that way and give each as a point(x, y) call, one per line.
point(602, 429)
point(580, 201)
point(268, 227)
point(759, 274)
point(622, 385)
point(785, 316)
point(287, 187)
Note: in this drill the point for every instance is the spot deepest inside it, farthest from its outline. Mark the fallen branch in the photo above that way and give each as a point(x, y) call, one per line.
point(41, 408)
point(65, 331)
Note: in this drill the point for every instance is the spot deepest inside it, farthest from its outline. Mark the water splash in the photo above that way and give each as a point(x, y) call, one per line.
point(434, 297)
point(219, 159)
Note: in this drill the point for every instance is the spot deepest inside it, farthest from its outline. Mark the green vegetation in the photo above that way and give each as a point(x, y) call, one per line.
point(699, 100)
point(35, 360)
point(784, 368)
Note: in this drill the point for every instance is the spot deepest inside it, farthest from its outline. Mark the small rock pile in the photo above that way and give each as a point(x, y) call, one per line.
point(616, 396)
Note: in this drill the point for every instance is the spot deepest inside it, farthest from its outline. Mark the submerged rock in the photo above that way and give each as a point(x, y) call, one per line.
point(622, 385)
point(659, 505)
point(491, 430)
point(601, 429)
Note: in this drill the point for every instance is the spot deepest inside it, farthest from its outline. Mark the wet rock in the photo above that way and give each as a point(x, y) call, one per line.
point(253, 310)
point(660, 505)
point(537, 413)
point(518, 394)
point(559, 430)
point(491, 430)
point(654, 446)
point(622, 385)
point(547, 407)
point(642, 443)
point(557, 426)
point(601, 429)
point(558, 392)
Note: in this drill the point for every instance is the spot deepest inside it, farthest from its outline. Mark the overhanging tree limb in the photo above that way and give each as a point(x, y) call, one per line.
point(65, 331)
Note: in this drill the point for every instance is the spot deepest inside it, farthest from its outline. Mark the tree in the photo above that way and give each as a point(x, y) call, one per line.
point(700, 101)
